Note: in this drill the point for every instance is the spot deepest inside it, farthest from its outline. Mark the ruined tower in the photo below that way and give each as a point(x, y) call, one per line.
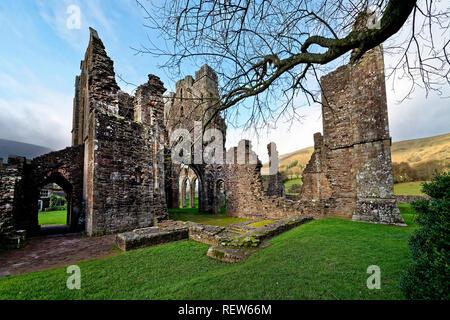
point(123, 159)
point(194, 102)
point(351, 164)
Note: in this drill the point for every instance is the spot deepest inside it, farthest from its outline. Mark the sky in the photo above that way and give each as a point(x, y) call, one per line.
point(40, 56)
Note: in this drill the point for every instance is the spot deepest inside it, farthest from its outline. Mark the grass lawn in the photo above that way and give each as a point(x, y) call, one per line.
point(211, 219)
point(323, 259)
point(53, 217)
point(289, 183)
point(409, 188)
point(405, 209)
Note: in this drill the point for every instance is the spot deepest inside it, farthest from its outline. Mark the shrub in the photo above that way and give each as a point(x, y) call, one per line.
point(428, 276)
point(292, 164)
point(295, 188)
point(403, 172)
point(57, 203)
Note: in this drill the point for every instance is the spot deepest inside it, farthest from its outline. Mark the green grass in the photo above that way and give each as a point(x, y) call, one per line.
point(409, 188)
point(289, 183)
point(53, 217)
point(194, 210)
point(188, 202)
point(406, 209)
point(210, 219)
point(261, 223)
point(323, 259)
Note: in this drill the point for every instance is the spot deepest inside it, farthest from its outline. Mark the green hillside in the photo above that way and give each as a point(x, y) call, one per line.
point(416, 152)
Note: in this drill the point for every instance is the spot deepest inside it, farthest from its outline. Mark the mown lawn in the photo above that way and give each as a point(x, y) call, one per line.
point(211, 219)
point(409, 188)
point(53, 217)
point(323, 259)
point(289, 184)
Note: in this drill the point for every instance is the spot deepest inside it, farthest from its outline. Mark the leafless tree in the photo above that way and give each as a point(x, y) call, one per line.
point(270, 53)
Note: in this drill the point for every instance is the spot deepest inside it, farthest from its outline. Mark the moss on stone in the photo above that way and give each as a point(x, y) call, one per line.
point(261, 223)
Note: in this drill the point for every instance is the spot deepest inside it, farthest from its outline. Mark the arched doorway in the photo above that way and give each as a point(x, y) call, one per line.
point(57, 216)
point(186, 193)
point(194, 193)
point(190, 188)
point(220, 196)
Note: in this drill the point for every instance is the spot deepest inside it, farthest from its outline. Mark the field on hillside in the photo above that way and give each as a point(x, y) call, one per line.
point(302, 156)
point(289, 184)
point(422, 150)
point(415, 152)
point(409, 188)
point(323, 259)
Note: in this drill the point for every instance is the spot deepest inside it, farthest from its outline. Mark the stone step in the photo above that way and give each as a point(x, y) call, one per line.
point(151, 236)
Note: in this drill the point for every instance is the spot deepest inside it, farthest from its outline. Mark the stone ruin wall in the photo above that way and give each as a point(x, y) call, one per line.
point(275, 186)
point(194, 100)
point(351, 164)
point(21, 181)
point(124, 159)
point(64, 167)
point(10, 177)
point(349, 174)
point(245, 196)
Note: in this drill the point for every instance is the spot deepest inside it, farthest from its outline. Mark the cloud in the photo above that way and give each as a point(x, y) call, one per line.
point(419, 116)
point(35, 114)
point(288, 136)
point(55, 14)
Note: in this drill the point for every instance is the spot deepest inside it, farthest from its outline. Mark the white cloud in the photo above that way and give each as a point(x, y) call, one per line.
point(288, 136)
point(55, 14)
point(35, 114)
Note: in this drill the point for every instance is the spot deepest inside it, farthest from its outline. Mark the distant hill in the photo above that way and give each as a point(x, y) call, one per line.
point(415, 152)
point(29, 151)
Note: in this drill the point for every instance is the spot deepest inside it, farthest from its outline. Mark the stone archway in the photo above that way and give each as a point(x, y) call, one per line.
point(190, 188)
point(220, 196)
point(57, 178)
point(65, 168)
point(186, 192)
point(194, 194)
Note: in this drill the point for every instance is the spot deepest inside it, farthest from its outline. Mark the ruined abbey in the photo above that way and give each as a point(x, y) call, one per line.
point(118, 174)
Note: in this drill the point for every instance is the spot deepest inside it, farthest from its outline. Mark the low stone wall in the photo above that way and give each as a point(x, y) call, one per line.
point(212, 235)
point(233, 243)
point(11, 175)
point(405, 199)
point(151, 236)
point(255, 236)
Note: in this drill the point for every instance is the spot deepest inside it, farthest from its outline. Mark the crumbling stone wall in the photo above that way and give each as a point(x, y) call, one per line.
point(65, 168)
point(245, 195)
point(275, 186)
point(406, 199)
point(125, 185)
point(96, 87)
point(124, 148)
point(10, 176)
point(351, 164)
point(22, 180)
point(194, 101)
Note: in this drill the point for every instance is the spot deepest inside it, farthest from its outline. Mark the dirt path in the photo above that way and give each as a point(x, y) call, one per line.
point(47, 252)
